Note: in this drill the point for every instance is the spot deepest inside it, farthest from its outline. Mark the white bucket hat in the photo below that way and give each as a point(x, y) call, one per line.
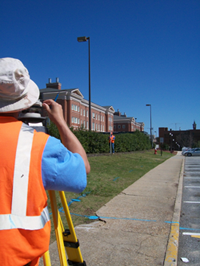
point(17, 90)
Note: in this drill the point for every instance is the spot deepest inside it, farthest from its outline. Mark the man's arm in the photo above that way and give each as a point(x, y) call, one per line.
point(69, 140)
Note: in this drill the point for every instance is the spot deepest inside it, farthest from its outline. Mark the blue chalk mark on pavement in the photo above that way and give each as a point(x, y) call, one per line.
point(191, 229)
point(86, 216)
point(94, 217)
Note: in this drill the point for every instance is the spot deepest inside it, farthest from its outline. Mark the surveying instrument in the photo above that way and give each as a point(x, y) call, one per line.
point(67, 242)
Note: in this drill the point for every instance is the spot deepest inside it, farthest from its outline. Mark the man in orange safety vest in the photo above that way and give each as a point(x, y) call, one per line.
point(30, 163)
point(112, 142)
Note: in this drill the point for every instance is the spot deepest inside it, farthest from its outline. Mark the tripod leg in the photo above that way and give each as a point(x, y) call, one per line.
point(70, 239)
point(58, 228)
point(46, 259)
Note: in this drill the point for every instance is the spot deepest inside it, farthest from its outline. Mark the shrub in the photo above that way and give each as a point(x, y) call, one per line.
point(95, 142)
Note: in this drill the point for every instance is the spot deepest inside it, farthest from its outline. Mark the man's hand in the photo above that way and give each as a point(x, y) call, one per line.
point(54, 111)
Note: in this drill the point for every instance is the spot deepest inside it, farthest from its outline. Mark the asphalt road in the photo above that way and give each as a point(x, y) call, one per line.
point(189, 235)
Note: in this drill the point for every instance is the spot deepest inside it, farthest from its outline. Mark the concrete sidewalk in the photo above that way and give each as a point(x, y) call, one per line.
point(136, 226)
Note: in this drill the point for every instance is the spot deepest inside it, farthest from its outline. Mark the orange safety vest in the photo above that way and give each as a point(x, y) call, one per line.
point(24, 218)
point(112, 139)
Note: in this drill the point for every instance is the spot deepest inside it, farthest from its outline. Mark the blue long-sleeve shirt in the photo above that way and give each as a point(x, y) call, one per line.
point(61, 169)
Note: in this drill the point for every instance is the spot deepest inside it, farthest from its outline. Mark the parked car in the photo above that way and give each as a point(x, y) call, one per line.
point(184, 149)
point(192, 152)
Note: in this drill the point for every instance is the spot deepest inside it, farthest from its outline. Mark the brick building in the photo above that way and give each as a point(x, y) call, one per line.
point(122, 123)
point(76, 108)
point(176, 139)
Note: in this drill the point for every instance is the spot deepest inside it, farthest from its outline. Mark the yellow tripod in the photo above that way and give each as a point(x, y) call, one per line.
point(66, 239)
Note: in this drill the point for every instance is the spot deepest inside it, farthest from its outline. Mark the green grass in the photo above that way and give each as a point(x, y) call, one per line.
point(110, 174)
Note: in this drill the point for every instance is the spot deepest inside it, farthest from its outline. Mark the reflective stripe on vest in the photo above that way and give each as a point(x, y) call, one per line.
point(11, 221)
point(18, 218)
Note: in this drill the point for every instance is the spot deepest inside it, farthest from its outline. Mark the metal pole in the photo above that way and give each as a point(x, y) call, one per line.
point(110, 143)
point(85, 39)
point(151, 127)
point(88, 38)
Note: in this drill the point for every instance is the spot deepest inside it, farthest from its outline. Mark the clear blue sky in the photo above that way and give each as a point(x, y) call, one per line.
point(142, 51)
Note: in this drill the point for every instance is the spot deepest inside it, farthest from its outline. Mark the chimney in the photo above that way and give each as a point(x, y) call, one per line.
point(117, 113)
point(55, 85)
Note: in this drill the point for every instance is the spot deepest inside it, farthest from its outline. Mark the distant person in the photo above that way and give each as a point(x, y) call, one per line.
point(30, 163)
point(112, 142)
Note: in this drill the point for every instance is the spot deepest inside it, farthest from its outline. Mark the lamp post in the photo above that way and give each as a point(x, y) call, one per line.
point(85, 39)
point(171, 135)
point(150, 125)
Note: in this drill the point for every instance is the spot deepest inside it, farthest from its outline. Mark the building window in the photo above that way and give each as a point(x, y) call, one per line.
point(75, 107)
point(75, 120)
point(123, 126)
point(93, 115)
point(83, 112)
point(119, 126)
point(87, 124)
point(93, 126)
point(87, 113)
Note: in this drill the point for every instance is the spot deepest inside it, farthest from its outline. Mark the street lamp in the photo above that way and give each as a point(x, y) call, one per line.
point(171, 141)
point(85, 39)
point(150, 125)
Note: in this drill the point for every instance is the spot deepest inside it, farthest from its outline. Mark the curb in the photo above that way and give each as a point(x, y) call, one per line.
point(171, 257)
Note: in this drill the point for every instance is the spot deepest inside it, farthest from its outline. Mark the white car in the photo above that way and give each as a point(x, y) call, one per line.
point(184, 149)
point(192, 152)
